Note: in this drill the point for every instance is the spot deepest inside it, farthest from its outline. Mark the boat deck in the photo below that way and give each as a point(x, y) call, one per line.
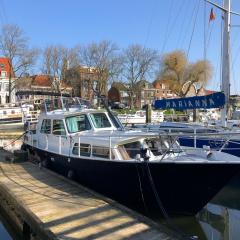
point(50, 206)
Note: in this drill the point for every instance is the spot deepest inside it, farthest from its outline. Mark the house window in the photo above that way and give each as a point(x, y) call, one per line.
point(163, 86)
point(46, 126)
point(3, 73)
point(58, 128)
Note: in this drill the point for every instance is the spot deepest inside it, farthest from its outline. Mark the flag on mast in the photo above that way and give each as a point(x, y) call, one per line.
point(212, 15)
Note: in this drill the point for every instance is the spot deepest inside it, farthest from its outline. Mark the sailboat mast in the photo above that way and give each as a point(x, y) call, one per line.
point(225, 86)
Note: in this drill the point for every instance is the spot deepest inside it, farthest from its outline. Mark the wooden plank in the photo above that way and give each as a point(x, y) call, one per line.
point(57, 208)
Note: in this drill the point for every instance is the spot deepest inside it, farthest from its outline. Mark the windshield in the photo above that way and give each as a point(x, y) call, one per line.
point(100, 120)
point(78, 123)
point(152, 147)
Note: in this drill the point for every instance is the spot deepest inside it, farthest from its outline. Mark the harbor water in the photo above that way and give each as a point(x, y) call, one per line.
point(3, 233)
point(218, 220)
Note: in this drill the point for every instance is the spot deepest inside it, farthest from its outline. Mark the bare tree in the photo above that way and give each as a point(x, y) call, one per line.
point(178, 72)
point(56, 60)
point(15, 47)
point(105, 61)
point(139, 62)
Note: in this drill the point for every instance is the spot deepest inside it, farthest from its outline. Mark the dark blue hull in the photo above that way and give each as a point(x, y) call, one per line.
point(232, 147)
point(182, 188)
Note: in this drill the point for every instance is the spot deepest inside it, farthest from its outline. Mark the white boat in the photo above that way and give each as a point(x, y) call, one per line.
point(140, 117)
point(136, 168)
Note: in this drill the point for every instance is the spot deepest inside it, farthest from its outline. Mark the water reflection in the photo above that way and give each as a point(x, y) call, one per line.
point(3, 233)
point(219, 219)
point(215, 222)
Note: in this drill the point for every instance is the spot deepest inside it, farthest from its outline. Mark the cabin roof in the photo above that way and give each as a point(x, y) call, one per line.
point(102, 138)
point(64, 113)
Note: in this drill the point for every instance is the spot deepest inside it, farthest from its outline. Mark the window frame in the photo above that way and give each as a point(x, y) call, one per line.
point(50, 130)
point(75, 149)
point(91, 116)
point(86, 119)
point(64, 127)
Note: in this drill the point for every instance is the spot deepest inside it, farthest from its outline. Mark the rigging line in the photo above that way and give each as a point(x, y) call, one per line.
point(232, 73)
point(173, 24)
point(13, 141)
point(169, 221)
point(167, 25)
point(194, 25)
point(183, 23)
point(141, 189)
point(204, 40)
point(154, 7)
point(215, 72)
point(191, 19)
point(221, 50)
point(210, 29)
point(236, 53)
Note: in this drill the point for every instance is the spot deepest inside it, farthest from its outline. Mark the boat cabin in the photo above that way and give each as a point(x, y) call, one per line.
point(91, 133)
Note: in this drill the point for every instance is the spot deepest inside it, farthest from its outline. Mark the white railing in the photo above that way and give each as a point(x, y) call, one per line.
point(222, 139)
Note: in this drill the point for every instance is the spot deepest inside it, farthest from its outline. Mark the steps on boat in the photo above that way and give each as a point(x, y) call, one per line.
point(51, 207)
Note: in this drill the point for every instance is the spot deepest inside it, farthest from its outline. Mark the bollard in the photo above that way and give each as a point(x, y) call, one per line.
point(148, 114)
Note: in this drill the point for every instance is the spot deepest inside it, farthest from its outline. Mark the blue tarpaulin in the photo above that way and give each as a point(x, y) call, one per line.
point(214, 100)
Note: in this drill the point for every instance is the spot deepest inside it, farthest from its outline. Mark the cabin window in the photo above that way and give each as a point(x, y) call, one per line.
point(46, 126)
point(100, 120)
point(58, 128)
point(99, 151)
point(85, 149)
point(78, 123)
point(133, 148)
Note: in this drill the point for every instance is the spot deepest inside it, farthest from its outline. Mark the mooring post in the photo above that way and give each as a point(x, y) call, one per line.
point(26, 231)
point(148, 113)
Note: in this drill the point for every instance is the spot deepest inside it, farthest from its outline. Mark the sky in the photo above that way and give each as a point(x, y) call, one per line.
point(164, 25)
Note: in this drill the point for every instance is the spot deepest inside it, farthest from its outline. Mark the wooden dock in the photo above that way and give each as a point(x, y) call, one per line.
point(48, 206)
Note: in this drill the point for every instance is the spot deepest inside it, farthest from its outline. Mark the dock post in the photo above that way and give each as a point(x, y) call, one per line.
point(148, 113)
point(26, 231)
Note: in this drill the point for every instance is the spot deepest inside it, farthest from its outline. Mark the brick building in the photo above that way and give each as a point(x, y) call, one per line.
point(5, 75)
point(162, 90)
point(39, 83)
point(84, 80)
point(144, 94)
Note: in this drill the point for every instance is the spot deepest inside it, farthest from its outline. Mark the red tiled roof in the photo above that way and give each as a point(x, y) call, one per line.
point(5, 66)
point(209, 91)
point(42, 80)
point(45, 81)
